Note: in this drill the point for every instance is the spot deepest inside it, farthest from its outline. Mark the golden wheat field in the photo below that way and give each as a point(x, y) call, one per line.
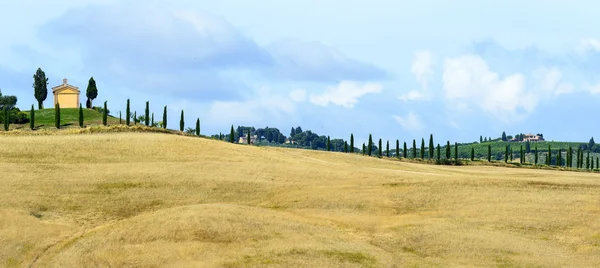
point(160, 200)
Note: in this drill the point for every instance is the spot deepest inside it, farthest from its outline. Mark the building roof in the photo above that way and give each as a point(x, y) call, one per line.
point(64, 86)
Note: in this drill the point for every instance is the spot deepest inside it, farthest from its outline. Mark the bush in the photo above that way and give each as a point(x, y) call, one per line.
point(449, 162)
point(100, 109)
point(16, 117)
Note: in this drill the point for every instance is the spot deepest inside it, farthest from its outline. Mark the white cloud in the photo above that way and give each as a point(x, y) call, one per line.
point(467, 81)
point(410, 122)
point(345, 94)
point(590, 44)
point(548, 81)
point(593, 89)
point(298, 95)
point(422, 70)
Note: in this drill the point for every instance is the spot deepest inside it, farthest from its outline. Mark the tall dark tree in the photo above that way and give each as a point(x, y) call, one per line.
point(431, 146)
point(511, 154)
point(504, 136)
point(591, 143)
point(405, 151)
point(92, 92)
point(147, 114)
point(363, 148)
point(248, 139)
point(57, 115)
point(559, 158)
point(448, 150)
point(506, 154)
point(32, 118)
point(480, 138)
point(164, 122)
point(127, 113)
point(181, 122)
point(455, 151)
point(439, 155)
point(328, 144)
point(380, 148)
point(587, 161)
point(105, 115)
point(345, 147)
point(414, 152)
point(40, 87)
point(387, 149)
point(370, 145)
point(472, 153)
point(351, 143)
point(232, 135)
point(535, 160)
point(597, 163)
point(422, 148)
point(569, 157)
point(548, 156)
point(489, 153)
point(522, 157)
point(6, 121)
point(135, 119)
point(80, 115)
point(152, 124)
point(398, 149)
point(198, 127)
point(292, 133)
point(120, 118)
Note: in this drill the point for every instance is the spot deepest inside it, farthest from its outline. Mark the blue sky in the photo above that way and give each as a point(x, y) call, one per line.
point(396, 69)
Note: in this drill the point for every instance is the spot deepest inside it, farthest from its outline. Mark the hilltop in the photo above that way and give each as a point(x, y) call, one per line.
point(149, 199)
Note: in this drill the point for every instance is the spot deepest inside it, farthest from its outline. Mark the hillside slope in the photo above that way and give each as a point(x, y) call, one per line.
point(149, 200)
point(68, 117)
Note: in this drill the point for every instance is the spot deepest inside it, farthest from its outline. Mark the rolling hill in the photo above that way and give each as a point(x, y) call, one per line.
point(151, 199)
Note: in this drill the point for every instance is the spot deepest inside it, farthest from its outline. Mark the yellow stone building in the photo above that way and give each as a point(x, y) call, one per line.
point(66, 95)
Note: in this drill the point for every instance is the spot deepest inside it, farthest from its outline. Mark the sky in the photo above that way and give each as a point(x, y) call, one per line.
point(394, 69)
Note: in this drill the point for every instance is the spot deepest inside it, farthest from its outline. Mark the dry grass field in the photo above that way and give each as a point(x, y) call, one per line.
point(160, 200)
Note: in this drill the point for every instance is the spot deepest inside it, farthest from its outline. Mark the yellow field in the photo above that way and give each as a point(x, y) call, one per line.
point(160, 200)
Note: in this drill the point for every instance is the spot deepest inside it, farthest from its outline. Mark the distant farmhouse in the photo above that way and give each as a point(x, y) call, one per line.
point(66, 95)
point(529, 137)
point(244, 139)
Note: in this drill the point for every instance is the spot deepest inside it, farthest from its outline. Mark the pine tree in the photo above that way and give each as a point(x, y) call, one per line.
point(147, 113)
point(387, 149)
point(405, 151)
point(165, 118)
point(127, 113)
point(345, 147)
point(351, 143)
point(506, 155)
point(472, 154)
point(231, 135)
point(181, 122)
point(431, 146)
point(198, 133)
point(370, 145)
point(105, 115)
point(522, 156)
point(535, 161)
point(455, 151)
point(414, 149)
point(80, 115)
point(489, 153)
point(32, 118)
point(422, 148)
point(40, 87)
point(57, 115)
point(398, 149)
point(198, 128)
point(328, 144)
point(380, 149)
point(448, 150)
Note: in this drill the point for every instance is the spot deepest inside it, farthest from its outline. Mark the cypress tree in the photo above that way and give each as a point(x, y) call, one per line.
point(439, 155)
point(134, 117)
point(232, 135)
point(405, 151)
point(548, 156)
point(414, 149)
point(147, 113)
point(105, 115)
point(351, 143)
point(422, 148)
point(5, 123)
point(80, 115)
point(364, 149)
point(127, 113)
point(165, 118)
point(152, 120)
point(448, 150)
point(506, 155)
point(535, 160)
point(592, 163)
point(472, 153)
point(521, 160)
point(328, 144)
point(181, 122)
point(370, 145)
point(455, 151)
point(597, 164)
point(559, 158)
point(345, 147)
point(568, 157)
point(387, 149)
point(398, 149)
point(380, 149)
point(431, 146)
point(198, 128)
point(32, 118)
point(198, 133)
point(489, 153)
point(511, 154)
point(57, 115)
point(587, 161)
